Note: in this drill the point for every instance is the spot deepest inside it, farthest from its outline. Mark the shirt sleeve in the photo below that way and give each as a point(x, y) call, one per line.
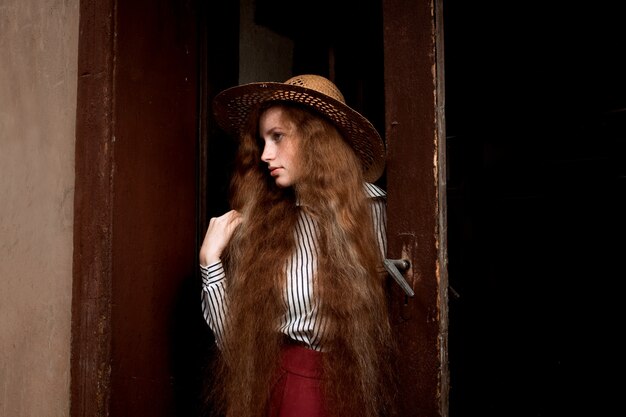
point(214, 301)
point(379, 215)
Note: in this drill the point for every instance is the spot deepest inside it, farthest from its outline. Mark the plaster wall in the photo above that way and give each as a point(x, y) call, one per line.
point(39, 47)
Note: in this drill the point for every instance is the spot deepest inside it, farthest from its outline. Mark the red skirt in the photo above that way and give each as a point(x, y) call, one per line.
point(298, 389)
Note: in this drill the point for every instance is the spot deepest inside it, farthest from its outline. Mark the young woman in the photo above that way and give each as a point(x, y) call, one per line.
point(292, 281)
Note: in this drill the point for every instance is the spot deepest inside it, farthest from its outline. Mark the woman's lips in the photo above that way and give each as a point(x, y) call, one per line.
point(274, 171)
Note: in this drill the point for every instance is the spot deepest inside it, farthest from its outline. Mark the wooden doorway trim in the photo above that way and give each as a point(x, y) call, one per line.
point(93, 213)
point(413, 43)
point(135, 204)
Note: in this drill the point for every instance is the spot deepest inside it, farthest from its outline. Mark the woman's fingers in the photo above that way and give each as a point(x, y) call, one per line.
point(218, 235)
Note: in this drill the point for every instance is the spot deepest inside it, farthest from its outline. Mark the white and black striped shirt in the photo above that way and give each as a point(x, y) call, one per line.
point(301, 320)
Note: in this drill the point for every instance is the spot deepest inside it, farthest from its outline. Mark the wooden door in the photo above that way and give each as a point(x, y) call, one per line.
point(135, 210)
point(416, 206)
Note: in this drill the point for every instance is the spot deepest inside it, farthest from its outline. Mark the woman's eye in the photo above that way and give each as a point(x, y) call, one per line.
point(277, 137)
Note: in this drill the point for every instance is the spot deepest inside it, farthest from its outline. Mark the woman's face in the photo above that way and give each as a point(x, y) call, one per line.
point(281, 144)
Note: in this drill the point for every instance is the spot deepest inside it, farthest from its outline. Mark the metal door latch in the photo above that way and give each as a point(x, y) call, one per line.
point(394, 267)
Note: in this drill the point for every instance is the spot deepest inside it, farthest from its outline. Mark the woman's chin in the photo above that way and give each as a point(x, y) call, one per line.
point(283, 183)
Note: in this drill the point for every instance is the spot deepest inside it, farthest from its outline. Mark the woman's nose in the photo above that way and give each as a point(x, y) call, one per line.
point(268, 152)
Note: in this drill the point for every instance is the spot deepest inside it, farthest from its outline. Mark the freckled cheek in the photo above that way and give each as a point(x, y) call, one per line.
point(296, 168)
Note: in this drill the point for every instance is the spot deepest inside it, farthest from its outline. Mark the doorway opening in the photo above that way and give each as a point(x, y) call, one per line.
point(536, 122)
point(264, 40)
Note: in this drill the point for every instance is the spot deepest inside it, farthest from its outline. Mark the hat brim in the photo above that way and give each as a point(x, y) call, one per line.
point(232, 107)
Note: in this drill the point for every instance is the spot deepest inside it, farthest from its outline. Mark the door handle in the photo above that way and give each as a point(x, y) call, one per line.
point(395, 267)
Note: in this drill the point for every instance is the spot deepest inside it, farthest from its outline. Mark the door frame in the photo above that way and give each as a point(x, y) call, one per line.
point(415, 134)
point(416, 199)
point(135, 205)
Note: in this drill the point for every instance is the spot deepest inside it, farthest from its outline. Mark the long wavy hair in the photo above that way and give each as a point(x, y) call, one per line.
point(348, 285)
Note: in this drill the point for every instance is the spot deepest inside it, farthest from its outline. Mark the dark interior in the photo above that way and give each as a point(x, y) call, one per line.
point(536, 131)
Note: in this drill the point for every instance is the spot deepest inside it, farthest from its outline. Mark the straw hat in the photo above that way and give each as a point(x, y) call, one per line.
point(232, 107)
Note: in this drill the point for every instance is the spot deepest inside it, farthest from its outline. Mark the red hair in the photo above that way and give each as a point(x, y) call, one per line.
point(349, 286)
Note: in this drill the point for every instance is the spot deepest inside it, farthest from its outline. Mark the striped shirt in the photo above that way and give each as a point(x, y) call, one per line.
point(301, 320)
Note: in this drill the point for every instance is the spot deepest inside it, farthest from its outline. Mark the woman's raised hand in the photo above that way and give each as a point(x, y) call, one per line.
point(217, 236)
